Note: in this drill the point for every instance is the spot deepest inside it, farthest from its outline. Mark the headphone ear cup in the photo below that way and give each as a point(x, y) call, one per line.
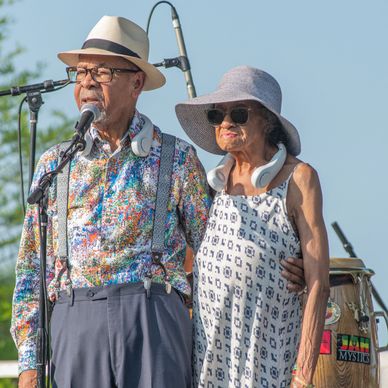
point(142, 142)
point(263, 175)
point(261, 178)
point(218, 176)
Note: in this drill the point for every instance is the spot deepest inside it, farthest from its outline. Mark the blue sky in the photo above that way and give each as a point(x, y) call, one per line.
point(330, 58)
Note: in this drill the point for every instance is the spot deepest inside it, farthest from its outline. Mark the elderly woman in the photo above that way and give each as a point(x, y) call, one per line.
point(248, 328)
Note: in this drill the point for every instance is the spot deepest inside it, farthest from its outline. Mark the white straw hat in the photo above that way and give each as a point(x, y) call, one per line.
point(242, 83)
point(117, 36)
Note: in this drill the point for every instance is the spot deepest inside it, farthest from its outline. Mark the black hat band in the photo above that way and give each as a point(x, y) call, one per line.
point(109, 46)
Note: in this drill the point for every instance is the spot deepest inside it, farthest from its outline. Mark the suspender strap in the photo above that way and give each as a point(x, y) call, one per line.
point(62, 200)
point(62, 203)
point(162, 195)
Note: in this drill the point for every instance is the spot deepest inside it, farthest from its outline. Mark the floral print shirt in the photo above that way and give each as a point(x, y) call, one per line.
point(111, 205)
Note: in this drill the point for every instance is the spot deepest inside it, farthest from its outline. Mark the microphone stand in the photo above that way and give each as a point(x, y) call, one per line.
point(182, 61)
point(34, 100)
point(182, 50)
point(40, 196)
point(348, 248)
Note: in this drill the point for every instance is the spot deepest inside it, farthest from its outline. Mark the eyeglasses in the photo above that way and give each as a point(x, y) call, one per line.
point(238, 115)
point(99, 74)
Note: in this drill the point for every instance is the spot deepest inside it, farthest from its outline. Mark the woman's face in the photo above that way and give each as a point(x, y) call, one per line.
point(234, 136)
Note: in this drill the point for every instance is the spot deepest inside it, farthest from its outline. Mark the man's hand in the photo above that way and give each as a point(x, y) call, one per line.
point(28, 379)
point(293, 272)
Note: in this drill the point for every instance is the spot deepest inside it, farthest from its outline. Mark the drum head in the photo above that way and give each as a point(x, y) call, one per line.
point(351, 263)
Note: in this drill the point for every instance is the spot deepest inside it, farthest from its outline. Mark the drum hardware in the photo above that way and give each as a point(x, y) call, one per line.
point(382, 314)
point(360, 312)
point(352, 306)
point(360, 317)
point(364, 317)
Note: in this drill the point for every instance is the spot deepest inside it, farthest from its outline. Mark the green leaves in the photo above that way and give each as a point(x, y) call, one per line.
point(11, 214)
point(11, 211)
point(7, 347)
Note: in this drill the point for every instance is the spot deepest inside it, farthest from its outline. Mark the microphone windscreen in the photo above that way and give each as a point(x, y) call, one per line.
point(91, 108)
point(89, 113)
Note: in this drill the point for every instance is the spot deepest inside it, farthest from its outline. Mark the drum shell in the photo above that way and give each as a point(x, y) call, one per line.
point(349, 284)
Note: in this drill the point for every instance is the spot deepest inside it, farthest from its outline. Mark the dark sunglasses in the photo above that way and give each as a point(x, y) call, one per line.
point(238, 115)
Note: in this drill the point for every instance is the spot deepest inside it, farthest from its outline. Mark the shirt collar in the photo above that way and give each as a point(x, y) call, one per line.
point(134, 128)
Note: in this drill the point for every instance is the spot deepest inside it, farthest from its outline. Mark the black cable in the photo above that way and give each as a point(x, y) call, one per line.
point(20, 143)
point(152, 11)
point(21, 153)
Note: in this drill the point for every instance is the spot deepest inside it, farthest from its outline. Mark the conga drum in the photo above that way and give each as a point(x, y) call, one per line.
point(349, 348)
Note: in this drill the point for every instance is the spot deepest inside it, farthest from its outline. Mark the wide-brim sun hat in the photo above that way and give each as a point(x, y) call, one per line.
point(117, 36)
point(242, 83)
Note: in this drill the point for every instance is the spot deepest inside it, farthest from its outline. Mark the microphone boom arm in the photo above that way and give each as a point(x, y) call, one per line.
point(46, 86)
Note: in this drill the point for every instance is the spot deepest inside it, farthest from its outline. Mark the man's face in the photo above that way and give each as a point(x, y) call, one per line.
point(115, 99)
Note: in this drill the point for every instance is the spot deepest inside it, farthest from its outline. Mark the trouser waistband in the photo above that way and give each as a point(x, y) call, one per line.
point(104, 292)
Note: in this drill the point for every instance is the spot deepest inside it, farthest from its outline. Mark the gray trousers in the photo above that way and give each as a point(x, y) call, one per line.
point(116, 337)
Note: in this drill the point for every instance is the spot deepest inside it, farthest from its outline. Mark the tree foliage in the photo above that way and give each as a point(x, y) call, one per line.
point(11, 210)
point(7, 347)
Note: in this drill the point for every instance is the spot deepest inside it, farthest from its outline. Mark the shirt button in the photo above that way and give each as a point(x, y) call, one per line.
point(90, 293)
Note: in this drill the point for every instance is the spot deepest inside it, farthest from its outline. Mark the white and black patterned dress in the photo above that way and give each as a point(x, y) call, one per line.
point(246, 323)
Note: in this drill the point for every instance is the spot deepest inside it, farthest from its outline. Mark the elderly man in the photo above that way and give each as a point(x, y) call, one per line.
point(118, 318)
point(110, 331)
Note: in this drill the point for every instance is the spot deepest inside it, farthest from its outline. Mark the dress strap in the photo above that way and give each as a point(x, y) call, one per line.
point(294, 169)
point(284, 186)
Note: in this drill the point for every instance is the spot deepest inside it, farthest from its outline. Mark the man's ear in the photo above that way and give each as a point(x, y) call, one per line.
point(138, 83)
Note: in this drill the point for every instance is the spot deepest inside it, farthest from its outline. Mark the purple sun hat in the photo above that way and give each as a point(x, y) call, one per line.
point(242, 83)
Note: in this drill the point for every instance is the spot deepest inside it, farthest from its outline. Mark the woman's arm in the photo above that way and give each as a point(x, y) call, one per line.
point(305, 198)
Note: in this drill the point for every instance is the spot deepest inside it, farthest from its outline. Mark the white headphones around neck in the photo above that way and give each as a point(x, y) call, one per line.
point(140, 144)
point(261, 176)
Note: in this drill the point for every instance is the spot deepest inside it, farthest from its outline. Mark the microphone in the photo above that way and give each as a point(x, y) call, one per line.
point(183, 54)
point(89, 113)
